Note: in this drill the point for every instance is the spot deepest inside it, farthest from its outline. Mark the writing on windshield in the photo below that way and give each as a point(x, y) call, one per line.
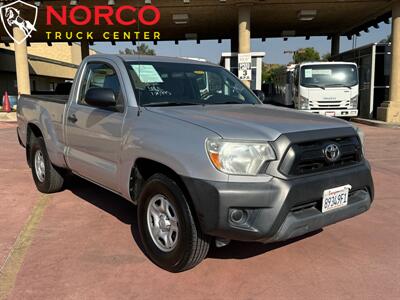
point(173, 84)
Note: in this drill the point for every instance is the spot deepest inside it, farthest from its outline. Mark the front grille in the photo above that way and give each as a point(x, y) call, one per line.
point(321, 107)
point(332, 104)
point(309, 157)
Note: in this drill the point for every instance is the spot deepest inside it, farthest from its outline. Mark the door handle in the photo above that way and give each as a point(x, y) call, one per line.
point(72, 118)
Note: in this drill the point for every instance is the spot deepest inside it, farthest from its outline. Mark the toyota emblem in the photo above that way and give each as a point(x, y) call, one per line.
point(332, 152)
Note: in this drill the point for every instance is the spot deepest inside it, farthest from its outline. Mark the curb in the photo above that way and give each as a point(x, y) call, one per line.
point(8, 117)
point(376, 123)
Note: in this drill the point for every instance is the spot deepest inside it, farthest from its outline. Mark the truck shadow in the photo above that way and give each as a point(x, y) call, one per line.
point(126, 212)
point(243, 250)
point(107, 201)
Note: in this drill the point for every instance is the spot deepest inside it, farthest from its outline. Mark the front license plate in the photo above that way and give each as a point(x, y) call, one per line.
point(330, 114)
point(335, 198)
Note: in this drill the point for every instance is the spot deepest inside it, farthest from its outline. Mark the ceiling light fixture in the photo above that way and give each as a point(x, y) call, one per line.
point(307, 14)
point(180, 19)
point(111, 2)
point(73, 2)
point(288, 33)
point(191, 36)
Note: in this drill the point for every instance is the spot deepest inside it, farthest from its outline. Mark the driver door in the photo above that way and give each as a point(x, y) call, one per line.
point(94, 135)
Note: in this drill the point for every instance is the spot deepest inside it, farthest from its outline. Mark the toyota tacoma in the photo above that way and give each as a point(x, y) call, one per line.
point(195, 149)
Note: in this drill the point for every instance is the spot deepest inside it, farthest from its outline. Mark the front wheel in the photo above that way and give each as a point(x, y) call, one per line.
point(170, 236)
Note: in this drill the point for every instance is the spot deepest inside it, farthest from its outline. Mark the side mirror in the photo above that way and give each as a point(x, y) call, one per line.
point(100, 97)
point(260, 95)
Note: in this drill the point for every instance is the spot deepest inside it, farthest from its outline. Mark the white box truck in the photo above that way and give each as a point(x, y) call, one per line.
point(326, 88)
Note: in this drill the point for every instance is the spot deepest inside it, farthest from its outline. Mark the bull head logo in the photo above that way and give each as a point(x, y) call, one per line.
point(16, 14)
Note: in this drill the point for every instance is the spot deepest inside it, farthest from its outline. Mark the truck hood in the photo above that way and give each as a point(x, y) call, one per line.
point(251, 122)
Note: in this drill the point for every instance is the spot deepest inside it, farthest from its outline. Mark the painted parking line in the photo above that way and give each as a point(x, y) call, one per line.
point(9, 270)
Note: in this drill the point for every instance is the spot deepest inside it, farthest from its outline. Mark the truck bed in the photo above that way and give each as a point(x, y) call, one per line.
point(62, 99)
point(47, 113)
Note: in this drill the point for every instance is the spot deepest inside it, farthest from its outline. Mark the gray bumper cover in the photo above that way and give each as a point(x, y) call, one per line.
point(271, 205)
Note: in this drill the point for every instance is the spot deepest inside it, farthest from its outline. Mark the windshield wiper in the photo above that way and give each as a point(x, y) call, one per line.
point(315, 85)
point(339, 85)
point(155, 104)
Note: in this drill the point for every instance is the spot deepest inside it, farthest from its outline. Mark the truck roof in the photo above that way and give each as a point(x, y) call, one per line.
point(152, 58)
point(327, 63)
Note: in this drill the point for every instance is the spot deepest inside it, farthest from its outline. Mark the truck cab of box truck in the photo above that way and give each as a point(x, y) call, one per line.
point(326, 88)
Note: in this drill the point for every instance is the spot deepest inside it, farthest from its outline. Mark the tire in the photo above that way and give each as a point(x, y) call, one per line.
point(188, 246)
point(47, 179)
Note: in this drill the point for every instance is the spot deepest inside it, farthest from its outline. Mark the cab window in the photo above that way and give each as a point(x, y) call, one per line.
point(100, 75)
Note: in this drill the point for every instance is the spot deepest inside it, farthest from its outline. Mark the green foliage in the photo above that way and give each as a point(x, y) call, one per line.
point(306, 54)
point(326, 57)
point(141, 49)
point(271, 71)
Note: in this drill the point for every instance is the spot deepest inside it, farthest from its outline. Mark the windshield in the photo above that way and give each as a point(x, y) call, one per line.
point(172, 84)
point(329, 75)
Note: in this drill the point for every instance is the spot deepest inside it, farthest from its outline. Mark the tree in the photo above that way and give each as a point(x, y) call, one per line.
point(326, 57)
point(305, 54)
point(270, 72)
point(141, 49)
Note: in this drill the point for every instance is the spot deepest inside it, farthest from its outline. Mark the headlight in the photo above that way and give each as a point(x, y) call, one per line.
point(304, 103)
point(354, 102)
point(239, 158)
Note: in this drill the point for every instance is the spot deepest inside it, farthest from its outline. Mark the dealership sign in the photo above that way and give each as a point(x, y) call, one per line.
point(81, 15)
point(24, 16)
point(11, 16)
point(244, 66)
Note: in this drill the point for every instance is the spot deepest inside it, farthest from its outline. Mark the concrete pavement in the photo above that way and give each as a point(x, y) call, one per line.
point(85, 245)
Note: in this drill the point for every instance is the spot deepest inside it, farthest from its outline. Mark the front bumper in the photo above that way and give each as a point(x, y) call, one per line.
point(335, 112)
point(278, 209)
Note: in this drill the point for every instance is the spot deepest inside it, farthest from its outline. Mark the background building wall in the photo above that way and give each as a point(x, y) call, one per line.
point(58, 51)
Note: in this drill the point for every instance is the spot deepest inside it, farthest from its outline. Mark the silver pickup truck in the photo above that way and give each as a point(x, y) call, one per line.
point(199, 154)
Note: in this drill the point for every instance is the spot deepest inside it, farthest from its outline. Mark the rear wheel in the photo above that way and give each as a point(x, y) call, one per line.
point(47, 178)
point(170, 236)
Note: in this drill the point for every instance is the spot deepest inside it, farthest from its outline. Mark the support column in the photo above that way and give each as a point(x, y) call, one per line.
point(244, 32)
point(390, 110)
point(84, 49)
point(21, 63)
point(335, 44)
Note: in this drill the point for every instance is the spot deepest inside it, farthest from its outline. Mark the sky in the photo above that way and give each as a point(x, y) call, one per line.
point(274, 48)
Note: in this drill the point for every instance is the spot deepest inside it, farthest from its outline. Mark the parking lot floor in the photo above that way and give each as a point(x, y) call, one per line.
point(82, 243)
